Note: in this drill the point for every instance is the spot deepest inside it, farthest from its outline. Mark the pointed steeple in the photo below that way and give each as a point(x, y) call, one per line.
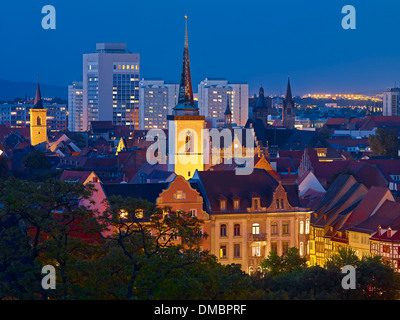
point(38, 103)
point(288, 96)
point(185, 90)
point(228, 108)
point(288, 112)
point(185, 98)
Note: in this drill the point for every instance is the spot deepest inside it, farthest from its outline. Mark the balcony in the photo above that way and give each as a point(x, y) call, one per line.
point(258, 237)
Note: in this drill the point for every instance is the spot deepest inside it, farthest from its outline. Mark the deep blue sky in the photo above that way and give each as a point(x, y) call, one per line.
point(256, 41)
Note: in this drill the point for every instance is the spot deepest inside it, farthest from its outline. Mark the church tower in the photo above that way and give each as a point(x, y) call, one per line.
point(288, 114)
point(228, 115)
point(185, 126)
point(38, 122)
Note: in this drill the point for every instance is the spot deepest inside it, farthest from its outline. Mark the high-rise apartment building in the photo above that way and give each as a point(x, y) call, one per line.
point(111, 85)
point(156, 100)
point(75, 107)
point(213, 95)
point(391, 102)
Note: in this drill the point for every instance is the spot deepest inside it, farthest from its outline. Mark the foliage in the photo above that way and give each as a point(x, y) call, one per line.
point(36, 160)
point(275, 265)
point(384, 143)
point(374, 280)
point(4, 170)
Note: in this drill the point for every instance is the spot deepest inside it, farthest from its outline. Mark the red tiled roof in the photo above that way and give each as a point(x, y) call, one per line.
point(73, 175)
point(366, 206)
point(384, 217)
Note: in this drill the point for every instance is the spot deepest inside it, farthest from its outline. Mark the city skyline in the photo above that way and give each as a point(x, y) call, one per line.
point(305, 42)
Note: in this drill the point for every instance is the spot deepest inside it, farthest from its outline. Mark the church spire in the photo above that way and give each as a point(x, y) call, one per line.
point(185, 90)
point(288, 96)
point(38, 103)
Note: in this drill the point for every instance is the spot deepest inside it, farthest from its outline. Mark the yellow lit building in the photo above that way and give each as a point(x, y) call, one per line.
point(38, 120)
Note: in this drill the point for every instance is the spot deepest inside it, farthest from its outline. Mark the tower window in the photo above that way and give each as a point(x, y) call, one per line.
point(39, 121)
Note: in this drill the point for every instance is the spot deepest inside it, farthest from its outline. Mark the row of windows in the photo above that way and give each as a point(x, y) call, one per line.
point(256, 249)
point(255, 229)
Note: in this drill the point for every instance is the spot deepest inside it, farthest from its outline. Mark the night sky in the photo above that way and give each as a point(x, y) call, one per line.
point(258, 42)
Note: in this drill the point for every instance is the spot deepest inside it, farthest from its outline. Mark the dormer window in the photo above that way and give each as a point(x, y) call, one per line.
point(256, 204)
point(236, 204)
point(222, 204)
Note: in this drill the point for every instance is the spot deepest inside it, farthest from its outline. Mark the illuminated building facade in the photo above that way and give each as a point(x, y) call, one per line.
point(214, 94)
point(111, 85)
point(38, 121)
point(75, 107)
point(156, 100)
point(391, 102)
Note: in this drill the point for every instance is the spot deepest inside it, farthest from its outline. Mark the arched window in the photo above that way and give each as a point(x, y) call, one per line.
point(255, 228)
point(307, 226)
point(301, 227)
point(189, 142)
point(251, 270)
point(39, 121)
point(223, 230)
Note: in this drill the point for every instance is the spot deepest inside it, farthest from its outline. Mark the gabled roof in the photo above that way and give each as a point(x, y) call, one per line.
point(366, 207)
point(75, 176)
point(384, 217)
point(145, 191)
point(229, 185)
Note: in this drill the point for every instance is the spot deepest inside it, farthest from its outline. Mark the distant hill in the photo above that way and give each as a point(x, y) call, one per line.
point(16, 89)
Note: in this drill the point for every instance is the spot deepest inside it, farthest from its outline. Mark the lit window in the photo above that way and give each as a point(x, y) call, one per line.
point(255, 251)
point(255, 228)
point(179, 195)
point(222, 252)
point(193, 212)
point(301, 227)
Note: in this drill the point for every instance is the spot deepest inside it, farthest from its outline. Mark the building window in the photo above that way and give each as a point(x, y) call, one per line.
point(274, 246)
point(222, 204)
point(285, 228)
point(307, 226)
point(193, 212)
point(301, 227)
point(301, 251)
point(39, 121)
point(256, 251)
point(222, 252)
point(236, 230)
point(386, 249)
point(274, 228)
point(285, 247)
point(236, 251)
point(189, 142)
point(236, 204)
point(256, 204)
point(223, 230)
point(179, 195)
point(255, 228)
